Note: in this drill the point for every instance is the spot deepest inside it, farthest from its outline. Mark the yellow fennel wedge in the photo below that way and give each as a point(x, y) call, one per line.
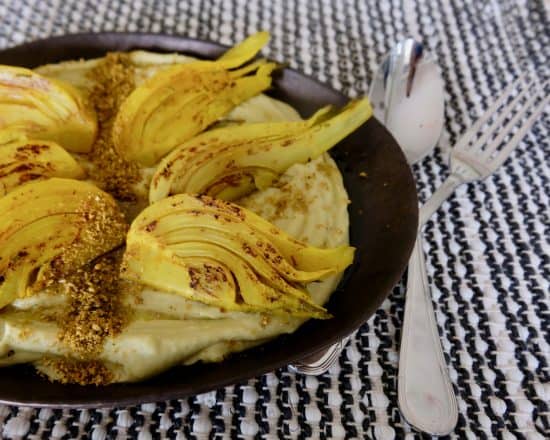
point(221, 254)
point(45, 109)
point(51, 227)
point(25, 160)
point(183, 100)
point(231, 162)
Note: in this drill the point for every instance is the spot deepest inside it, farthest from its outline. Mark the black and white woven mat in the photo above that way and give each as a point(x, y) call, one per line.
point(488, 248)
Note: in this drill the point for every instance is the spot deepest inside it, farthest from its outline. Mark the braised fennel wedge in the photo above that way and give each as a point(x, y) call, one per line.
point(231, 162)
point(23, 160)
point(50, 227)
point(221, 254)
point(181, 101)
point(45, 108)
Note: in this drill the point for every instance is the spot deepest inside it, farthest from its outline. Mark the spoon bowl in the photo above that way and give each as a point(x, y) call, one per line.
point(407, 97)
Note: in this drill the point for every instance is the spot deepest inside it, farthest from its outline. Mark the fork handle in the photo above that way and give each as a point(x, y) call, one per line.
point(426, 396)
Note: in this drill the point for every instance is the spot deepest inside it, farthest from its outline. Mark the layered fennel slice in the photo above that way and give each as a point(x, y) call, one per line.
point(233, 161)
point(23, 160)
point(50, 228)
point(45, 108)
point(221, 254)
point(181, 101)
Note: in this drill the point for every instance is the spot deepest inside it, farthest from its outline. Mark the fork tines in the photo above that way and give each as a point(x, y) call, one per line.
point(500, 129)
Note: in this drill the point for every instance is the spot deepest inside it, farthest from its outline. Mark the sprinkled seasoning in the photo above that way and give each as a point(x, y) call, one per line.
point(87, 372)
point(114, 81)
point(94, 311)
point(102, 226)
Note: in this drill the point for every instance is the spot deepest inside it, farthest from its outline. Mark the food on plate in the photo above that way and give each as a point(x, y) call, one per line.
point(49, 228)
point(231, 162)
point(221, 254)
point(23, 160)
point(45, 108)
point(99, 283)
point(181, 101)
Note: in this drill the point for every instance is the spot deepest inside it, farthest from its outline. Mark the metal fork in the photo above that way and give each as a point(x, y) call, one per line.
point(426, 397)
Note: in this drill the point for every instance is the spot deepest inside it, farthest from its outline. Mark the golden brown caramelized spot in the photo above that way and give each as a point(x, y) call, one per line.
point(88, 372)
point(194, 274)
point(31, 168)
point(249, 250)
point(166, 173)
point(114, 81)
point(27, 151)
point(222, 205)
point(151, 226)
point(206, 278)
point(94, 311)
point(231, 179)
point(24, 178)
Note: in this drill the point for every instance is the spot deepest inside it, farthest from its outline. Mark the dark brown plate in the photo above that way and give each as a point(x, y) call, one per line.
point(383, 216)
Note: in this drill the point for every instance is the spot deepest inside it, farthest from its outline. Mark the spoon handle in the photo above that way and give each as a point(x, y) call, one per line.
point(426, 396)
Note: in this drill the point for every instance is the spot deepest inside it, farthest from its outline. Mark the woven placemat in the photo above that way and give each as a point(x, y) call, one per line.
point(487, 248)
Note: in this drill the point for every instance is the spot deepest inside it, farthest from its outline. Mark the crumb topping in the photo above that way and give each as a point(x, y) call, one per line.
point(113, 82)
point(84, 372)
point(94, 311)
point(102, 227)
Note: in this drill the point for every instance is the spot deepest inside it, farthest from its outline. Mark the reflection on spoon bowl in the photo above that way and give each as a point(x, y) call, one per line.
point(415, 120)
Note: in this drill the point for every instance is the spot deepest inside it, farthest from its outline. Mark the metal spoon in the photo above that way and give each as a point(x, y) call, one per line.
point(407, 97)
